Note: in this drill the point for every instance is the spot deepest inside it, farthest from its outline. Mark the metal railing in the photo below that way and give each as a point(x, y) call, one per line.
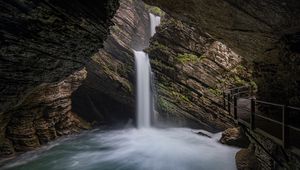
point(275, 125)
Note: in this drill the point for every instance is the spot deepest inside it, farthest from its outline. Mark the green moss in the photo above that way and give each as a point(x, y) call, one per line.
point(216, 92)
point(155, 10)
point(238, 81)
point(159, 64)
point(185, 58)
point(179, 96)
point(253, 85)
point(160, 46)
point(165, 105)
point(202, 57)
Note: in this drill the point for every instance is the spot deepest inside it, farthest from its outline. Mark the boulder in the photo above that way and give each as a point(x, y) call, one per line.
point(235, 137)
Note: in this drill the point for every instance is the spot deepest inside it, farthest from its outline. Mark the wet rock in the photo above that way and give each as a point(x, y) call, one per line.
point(246, 160)
point(203, 134)
point(265, 32)
point(44, 47)
point(6, 148)
point(43, 116)
point(235, 137)
point(111, 76)
point(191, 71)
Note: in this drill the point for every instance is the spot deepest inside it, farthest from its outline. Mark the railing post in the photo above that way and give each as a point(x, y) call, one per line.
point(228, 103)
point(252, 116)
point(285, 135)
point(235, 107)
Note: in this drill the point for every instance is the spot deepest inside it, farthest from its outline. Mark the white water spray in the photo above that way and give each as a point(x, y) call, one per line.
point(144, 95)
point(144, 102)
point(154, 22)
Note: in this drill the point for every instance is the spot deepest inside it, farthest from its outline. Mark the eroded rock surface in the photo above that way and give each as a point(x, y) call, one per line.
point(266, 32)
point(45, 115)
point(192, 70)
point(109, 88)
point(44, 47)
point(46, 41)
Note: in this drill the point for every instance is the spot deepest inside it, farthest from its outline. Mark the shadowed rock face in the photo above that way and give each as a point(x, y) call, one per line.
point(109, 88)
point(264, 31)
point(45, 41)
point(44, 47)
point(44, 115)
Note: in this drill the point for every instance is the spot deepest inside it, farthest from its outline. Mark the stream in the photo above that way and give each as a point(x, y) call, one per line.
point(131, 149)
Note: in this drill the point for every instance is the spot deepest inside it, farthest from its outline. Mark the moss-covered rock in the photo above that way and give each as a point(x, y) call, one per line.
point(192, 70)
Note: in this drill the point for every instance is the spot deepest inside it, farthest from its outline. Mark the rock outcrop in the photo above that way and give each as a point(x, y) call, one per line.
point(192, 70)
point(44, 47)
point(235, 137)
point(46, 41)
point(109, 88)
point(44, 115)
point(266, 32)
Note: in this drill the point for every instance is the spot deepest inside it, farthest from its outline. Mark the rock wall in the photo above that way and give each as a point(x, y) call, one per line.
point(44, 47)
point(265, 31)
point(44, 115)
point(192, 70)
point(46, 41)
point(109, 88)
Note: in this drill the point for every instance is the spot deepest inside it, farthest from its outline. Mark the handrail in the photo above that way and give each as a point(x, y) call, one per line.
point(230, 97)
point(269, 119)
point(239, 87)
point(294, 108)
point(269, 103)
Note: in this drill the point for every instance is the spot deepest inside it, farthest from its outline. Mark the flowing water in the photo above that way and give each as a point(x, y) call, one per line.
point(145, 105)
point(144, 148)
point(132, 149)
point(144, 94)
point(154, 22)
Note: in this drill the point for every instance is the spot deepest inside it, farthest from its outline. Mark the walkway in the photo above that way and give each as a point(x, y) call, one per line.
point(278, 122)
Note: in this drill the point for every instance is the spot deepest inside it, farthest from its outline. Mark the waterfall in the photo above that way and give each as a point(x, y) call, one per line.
point(144, 95)
point(154, 22)
point(144, 100)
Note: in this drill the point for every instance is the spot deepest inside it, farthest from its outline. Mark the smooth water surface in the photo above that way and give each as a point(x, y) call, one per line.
point(132, 149)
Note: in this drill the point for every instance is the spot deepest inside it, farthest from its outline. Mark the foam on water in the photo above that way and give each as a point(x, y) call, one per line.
point(135, 149)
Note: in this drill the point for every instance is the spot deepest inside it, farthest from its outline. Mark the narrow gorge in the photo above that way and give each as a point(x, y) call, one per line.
point(149, 84)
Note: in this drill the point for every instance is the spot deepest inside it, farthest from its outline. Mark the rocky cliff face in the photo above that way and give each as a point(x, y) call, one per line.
point(44, 46)
point(44, 115)
point(46, 41)
point(192, 70)
point(265, 31)
point(109, 87)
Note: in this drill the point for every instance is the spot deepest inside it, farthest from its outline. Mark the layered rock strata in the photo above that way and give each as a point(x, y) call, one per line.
point(109, 89)
point(44, 47)
point(192, 70)
point(266, 32)
point(44, 115)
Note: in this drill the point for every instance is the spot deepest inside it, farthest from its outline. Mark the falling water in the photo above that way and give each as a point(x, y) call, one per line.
point(143, 72)
point(144, 95)
point(154, 22)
